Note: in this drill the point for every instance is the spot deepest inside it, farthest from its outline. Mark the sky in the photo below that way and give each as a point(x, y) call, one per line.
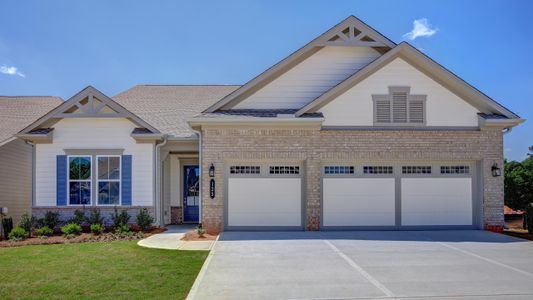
point(59, 47)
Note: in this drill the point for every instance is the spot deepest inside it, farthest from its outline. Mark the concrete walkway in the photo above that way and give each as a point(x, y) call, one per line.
point(171, 240)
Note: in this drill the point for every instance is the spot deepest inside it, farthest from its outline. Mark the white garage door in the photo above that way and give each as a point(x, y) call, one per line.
point(399, 195)
point(436, 201)
point(358, 202)
point(265, 199)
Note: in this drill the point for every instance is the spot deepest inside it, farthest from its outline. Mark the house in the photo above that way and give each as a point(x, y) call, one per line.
point(352, 131)
point(15, 154)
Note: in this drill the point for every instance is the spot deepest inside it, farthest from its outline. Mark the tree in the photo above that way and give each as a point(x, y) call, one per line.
point(518, 178)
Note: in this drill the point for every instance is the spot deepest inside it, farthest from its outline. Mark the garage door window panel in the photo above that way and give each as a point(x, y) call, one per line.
point(339, 170)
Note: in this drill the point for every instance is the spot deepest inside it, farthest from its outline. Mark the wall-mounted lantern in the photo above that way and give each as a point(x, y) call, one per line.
point(496, 171)
point(212, 170)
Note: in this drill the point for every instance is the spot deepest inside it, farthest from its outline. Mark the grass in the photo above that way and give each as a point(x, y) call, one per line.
point(118, 270)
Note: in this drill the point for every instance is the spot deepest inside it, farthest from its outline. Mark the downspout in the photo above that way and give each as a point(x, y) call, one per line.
point(157, 182)
point(201, 175)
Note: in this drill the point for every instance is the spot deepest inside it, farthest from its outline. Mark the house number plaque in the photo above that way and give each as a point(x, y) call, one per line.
point(212, 188)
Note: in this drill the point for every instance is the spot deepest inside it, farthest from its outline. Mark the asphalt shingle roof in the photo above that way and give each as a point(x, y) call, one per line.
point(17, 112)
point(168, 107)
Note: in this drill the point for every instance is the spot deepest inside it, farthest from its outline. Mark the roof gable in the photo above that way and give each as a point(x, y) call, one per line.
point(88, 103)
point(424, 64)
point(350, 32)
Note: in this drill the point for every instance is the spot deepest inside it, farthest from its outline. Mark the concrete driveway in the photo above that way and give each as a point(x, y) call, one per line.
point(367, 265)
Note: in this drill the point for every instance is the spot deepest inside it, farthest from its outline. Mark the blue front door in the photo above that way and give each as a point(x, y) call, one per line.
point(191, 196)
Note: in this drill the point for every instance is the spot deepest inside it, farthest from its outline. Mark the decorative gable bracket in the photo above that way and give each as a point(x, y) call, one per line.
point(353, 36)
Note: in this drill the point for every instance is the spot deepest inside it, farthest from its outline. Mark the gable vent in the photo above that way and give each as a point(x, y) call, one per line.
point(416, 111)
point(383, 111)
point(399, 107)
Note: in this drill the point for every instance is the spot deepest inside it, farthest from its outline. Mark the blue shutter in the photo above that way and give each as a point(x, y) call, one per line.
point(61, 180)
point(126, 180)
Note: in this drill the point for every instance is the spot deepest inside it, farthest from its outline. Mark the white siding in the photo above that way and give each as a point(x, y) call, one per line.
point(436, 201)
point(92, 133)
point(264, 202)
point(359, 202)
point(355, 106)
point(311, 78)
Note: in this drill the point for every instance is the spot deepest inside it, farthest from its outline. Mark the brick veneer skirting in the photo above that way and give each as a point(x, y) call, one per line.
point(313, 147)
point(176, 215)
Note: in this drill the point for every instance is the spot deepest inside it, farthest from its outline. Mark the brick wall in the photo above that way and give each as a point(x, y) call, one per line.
point(176, 215)
point(312, 147)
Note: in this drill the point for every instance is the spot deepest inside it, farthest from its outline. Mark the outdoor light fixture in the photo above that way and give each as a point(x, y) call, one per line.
point(212, 171)
point(496, 171)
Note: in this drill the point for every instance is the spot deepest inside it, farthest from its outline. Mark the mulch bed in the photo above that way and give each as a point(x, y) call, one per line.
point(519, 233)
point(193, 236)
point(82, 238)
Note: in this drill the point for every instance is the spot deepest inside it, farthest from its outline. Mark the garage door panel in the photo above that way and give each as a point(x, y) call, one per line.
point(436, 201)
point(264, 202)
point(358, 202)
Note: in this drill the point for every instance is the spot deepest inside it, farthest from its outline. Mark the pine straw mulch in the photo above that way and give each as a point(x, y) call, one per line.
point(194, 236)
point(82, 238)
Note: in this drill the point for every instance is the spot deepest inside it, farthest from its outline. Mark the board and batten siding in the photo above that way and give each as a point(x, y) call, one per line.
point(355, 106)
point(94, 133)
point(15, 178)
point(310, 78)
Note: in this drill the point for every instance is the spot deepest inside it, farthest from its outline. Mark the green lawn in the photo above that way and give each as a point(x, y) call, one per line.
point(117, 270)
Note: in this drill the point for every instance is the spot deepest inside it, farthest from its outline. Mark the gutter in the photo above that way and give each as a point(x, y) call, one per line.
point(244, 121)
point(157, 181)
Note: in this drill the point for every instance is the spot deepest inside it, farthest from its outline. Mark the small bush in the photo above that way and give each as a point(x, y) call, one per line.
point(97, 228)
point(7, 226)
point(123, 229)
point(71, 229)
point(120, 219)
point(201, 231)
point(18, 233)
point(27, 222)
point(44, 231)
point(144, 220)
point(78, 218)
point(95, 217)
point(50, 219)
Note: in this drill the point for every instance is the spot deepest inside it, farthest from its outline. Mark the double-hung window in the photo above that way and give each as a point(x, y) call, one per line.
point(108, 180)
point(79, 180)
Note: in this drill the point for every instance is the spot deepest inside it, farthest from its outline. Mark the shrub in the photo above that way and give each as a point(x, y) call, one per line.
point(71, 229)
point(7, 226)
point(27, 222)
point(97, 228)
point(120, 219)
point(44, 231)
point(78, 218)
point(123, 229)
point(144, 220)
point(18, 233)
point(95, 217)
point(201, 231)
point(50, 219)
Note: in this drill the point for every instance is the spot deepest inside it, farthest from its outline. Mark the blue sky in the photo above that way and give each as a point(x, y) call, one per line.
point(59, 47)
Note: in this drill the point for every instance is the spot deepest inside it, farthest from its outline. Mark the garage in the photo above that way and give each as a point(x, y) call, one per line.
point(399, 196)
point(264, 197)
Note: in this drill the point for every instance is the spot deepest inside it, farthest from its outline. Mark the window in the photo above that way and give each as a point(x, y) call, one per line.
point(284, 170)
point(416, 169)
point(245, 170)
point(399, 107)
point(377, 169)
point(455, 170)
point(79, 180)
point(108, 169)
point(339, 170)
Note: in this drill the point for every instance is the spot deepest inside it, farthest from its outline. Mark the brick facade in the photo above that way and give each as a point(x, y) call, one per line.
point(313, 147)
point(176, 215)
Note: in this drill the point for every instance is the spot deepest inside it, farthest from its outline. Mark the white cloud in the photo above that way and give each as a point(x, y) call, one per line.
point(421, 27)
point(11, 71)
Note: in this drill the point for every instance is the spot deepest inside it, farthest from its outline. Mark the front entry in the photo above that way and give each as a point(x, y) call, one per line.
point(191, 197)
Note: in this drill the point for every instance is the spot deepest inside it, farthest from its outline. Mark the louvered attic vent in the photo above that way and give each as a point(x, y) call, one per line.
point(399, 107)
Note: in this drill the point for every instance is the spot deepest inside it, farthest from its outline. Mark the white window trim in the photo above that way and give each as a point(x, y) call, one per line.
point(109, 180)
point(90, 180)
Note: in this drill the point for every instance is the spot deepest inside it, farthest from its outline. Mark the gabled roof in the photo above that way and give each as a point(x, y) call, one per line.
point(88, 103)
point(167, 107)
point(424, 64)
point(17, 112)
point(350, 32)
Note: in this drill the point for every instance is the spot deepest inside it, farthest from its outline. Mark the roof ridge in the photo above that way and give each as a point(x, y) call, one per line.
point(188, 85)
point(26, 96)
